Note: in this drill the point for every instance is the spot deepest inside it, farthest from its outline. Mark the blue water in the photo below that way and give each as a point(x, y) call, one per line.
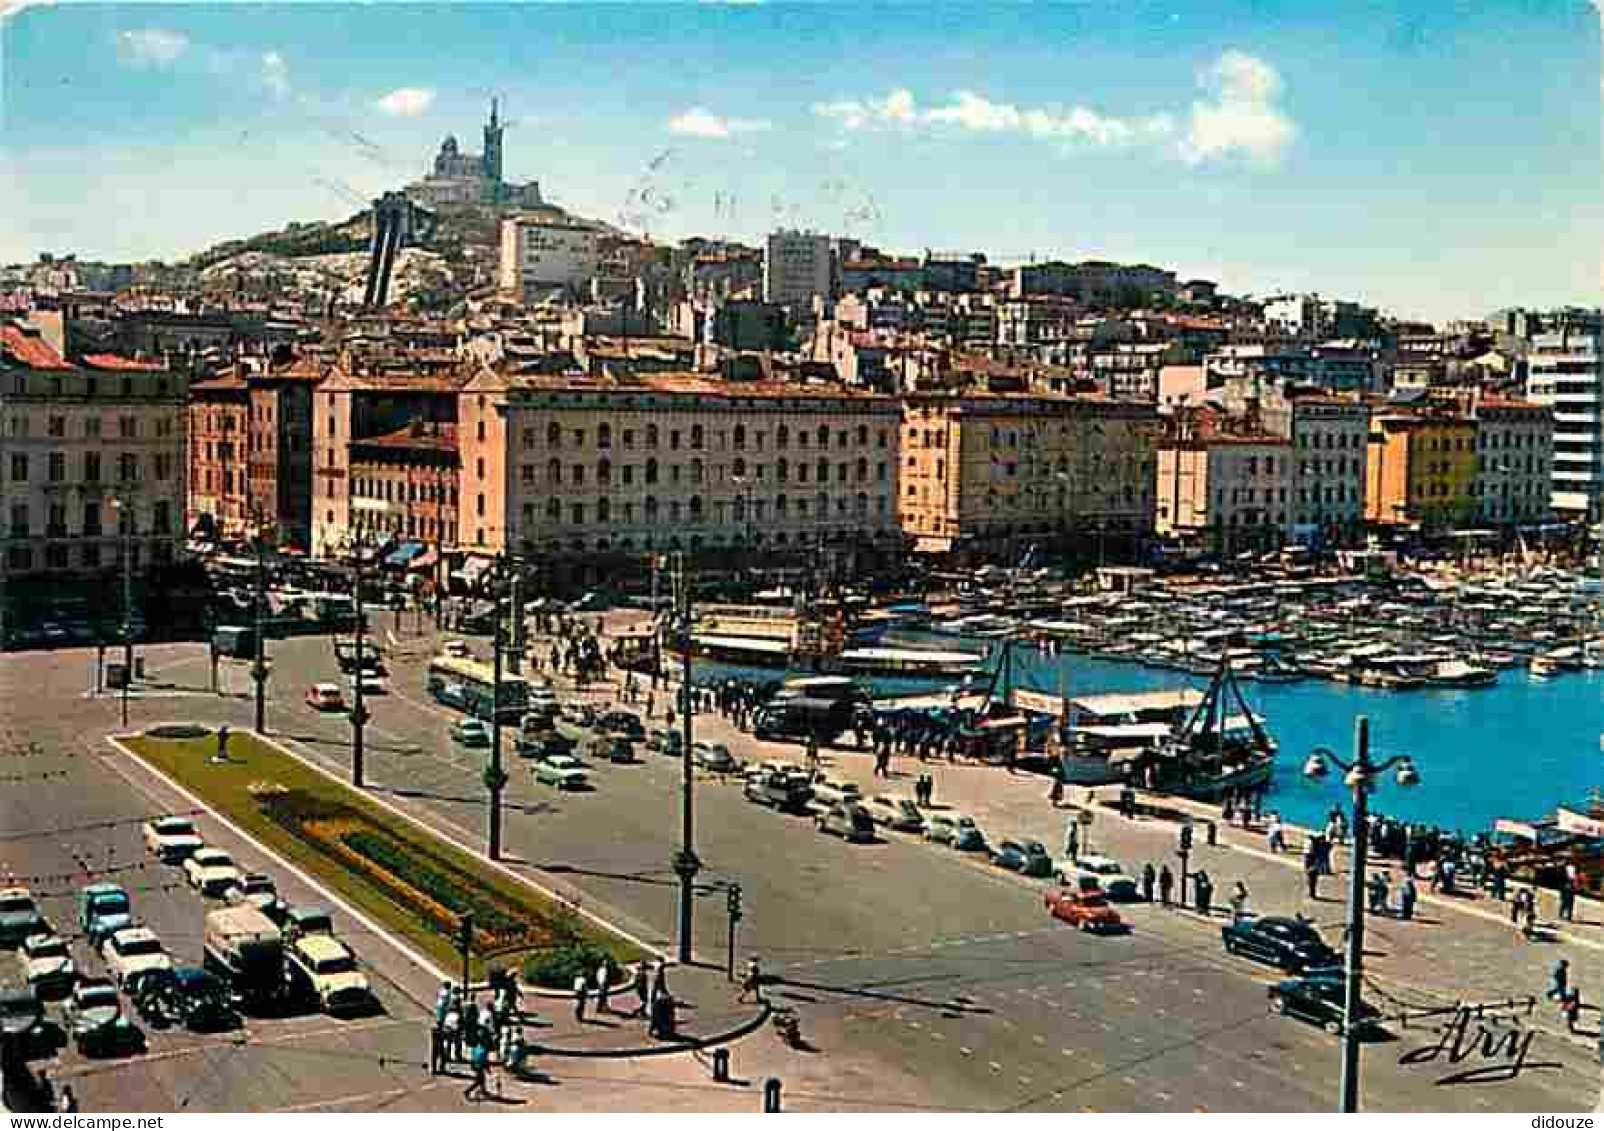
point(1516, 749)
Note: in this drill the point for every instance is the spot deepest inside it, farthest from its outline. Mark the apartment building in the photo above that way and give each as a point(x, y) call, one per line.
point(1328, 434)
point(984, 474)
point(1224, 484)
point(543, 252)
point(589, 469)
point(1566, 372)
point(1421, 468)
point(218, 500)
point(404, 487)
point(797, 268)
point(1514, 461)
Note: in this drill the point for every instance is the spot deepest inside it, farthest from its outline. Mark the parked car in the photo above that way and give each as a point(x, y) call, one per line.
point(562, 771)
point(1291, 944)
point(211, 871)
point(622, 722)
point(202, 1001)
point(19, 916)
point(668, 742)
point(96, 1023)
point(254, 888)
point(847, 820)
point(1100, 872)
point(171, 839)
point(544, 744)
point(22, 1023)
point(779, 788)
point(1320, 998)
point(470, 732)
point(954, 829)
point(894, 812)
point(133, 950)
point(1090, 911)
point(103, 910)
point(372, 684)
point(579, 714)
point(48, 965)
point(325, 697)
point(831, 791)
point(323, 969)
point(614, 748)
point(307, 919)
point(457, 648)
point(713, 756)
point(1027, 857)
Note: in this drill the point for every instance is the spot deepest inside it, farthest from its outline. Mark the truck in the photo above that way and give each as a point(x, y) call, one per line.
point(103, 910)
point(803, 715)
point(246, 950)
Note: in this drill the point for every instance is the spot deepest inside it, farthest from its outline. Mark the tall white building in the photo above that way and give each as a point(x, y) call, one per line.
point(1566, 371)
point(797, 267)
point(545, 251)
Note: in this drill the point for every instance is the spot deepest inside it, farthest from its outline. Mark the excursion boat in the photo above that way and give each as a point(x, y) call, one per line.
point(1556, 662)
point(1216, 753)
point(909, 663)
point(1459, 673)
point(1108, 733)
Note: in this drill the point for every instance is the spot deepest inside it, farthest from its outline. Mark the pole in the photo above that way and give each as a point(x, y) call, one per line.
point(685, 863)
point(493, 774)
point(128, 607)
point(1354, 966)
point(515, 654)
point(359, 712)
point(259, 672)
point(729, 955)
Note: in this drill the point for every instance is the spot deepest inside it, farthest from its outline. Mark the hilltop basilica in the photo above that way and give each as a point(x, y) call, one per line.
point(459, 178)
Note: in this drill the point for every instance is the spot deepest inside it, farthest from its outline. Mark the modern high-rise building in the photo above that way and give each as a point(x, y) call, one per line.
point(1566, 371)
point(798, 267)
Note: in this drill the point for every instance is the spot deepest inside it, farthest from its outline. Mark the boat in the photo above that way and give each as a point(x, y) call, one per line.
point(1105, 734)
point(1215, 753)
point(1273, 669)
point(1556, 662)
point(909, 662)
point(1458, 673)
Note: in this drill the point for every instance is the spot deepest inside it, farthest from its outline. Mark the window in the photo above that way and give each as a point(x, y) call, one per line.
point(554, 510)
point(823, 471)
point(479, 430)
point(696, 508)
point(604, 435)
point(127, 467)
point(161, 518)
point(528, 475)
point(863, 436)
point(739, 469)
point(782, 437)
point(841, 473)
point(91, 556)
point(479, 468)
point(479, 505)
point(863, 470)
point(801, 473)
point(554, 435)
point(824, 436)
point(92, 520)
point(740, 438)
point(696, 437)
point(57, 467)
point(782, 470)
point(629, 474)
point(604, 474)
point(604, 510)
point(19, 521)
point(651, 436)
point(577, 475)
point(92, 427)
point(164, 466)
point(696, 471)
point(554, 473)
point(579, 437)
point(58, 425)
point(127, 427)
point(577, 514)
point(882, 441)
point(651, 509)
point(673, 440)
point(651, 471)
point(19, 468)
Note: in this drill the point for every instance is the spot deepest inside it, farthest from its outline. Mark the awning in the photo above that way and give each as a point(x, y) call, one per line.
point(423, 561)
point(407, 551)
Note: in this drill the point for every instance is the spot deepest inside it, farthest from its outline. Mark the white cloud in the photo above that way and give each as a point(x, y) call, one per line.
point(1242, 116)
point(701, 122)
point(405, 102)
point(152, 46)
point(9, 8)
point(276, 74)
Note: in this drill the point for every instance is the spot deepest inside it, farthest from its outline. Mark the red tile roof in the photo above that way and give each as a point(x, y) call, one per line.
point(438, 437)
point(124, 364)
point(28, 349)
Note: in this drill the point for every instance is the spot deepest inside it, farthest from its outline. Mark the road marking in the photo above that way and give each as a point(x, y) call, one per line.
point(1039, 1039)
point(1067, 1052)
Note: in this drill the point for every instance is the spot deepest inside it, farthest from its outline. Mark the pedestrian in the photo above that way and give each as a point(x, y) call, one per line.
point(1072, 840)
point(642, 990)
point(1406, 899)
point(1567, 901)
point(1166, 883)
point(1205, 894)
point(1559, 981)
point(1056, 794)
point(437, 1049)
point(1149, 878)
point(1528, 928)
point(752, 985)
point(660, 982)
point(222, 744)
point(1311, 874)
point(1239, 902)
point(453, 1028)
point(1275, 836)
point(581, 995)
point(1573, 1009)
point(1380, 894)
point(651, 705)
point(442, 1003)
point(69, 1100)
point(604, 977)
point(470, 1023)
point(479, 1060)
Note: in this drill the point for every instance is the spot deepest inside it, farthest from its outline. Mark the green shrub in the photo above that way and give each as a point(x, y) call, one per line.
point(558, 967)
point(425, 875)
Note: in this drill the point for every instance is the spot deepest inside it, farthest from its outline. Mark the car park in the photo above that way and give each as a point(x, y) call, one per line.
point(847, 820)
point(713, 756)
point(1027, 857)
point(894, 812)
point(324, 970)
point(132, 951)
point(470, 732)
point(96, 1022)
point(834, 791)
point(47, 964)
point(1088, 910)
point(211, 871)
point(103, 910)
point(172, 840)
point(1320, 998)
point(325, 697)
point(1292, 945)
point(563, 771)
point(1100, 872)
point(19, 916)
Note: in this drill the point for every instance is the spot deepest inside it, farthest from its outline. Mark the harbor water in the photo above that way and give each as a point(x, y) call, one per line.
point(1516, 749)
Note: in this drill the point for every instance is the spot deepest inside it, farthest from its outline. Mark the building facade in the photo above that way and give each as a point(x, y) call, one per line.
point(280, 448)
point(797, 268)
point(1224, 486)
point(404, 485)
point(1514, 462)
point(1328, 435)
point(570, 469)
point(1421, 469)
point(543, 253)
point(1566, 372)
point(218, 502)
point(988, 474)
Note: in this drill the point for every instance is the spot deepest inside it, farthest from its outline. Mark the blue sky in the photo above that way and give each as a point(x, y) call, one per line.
point(1437, 159)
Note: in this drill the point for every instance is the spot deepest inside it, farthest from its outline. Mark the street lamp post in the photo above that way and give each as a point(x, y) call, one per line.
point(686, 865)
point(359, 710)
point(259, 667)
point(495, 778)
point(1359, 776)
point(125, 520)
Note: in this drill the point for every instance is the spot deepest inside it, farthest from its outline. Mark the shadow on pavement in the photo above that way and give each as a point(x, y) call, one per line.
point(954, 1005)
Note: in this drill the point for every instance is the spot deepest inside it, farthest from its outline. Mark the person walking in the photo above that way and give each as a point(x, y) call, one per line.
point(642, 990)
point(1166, 883)
point(1072, 840)
point(1311, 875)
point(1205, 894)
point(1239, 902)
point(1559, 981)
point(437, 1049)
point(752, 984)
point(1275, 836)
point(1567, 900)
point(453, 1028)
point(660, 982)
point(1406, 899)
point(1056, 793)
point(581, 995)
point(1572, 1007)
point(479, 1060)
point(1149, 878)
point(604, 976)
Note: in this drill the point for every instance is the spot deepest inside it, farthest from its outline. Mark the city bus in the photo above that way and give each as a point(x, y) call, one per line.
point(466, 685)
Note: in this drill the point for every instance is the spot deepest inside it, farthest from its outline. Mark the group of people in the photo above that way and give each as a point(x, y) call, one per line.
point(482, 1033)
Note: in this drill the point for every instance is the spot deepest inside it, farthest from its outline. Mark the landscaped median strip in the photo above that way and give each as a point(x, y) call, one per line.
point(390, 866)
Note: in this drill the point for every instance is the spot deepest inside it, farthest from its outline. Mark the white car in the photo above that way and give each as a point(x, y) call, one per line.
point(833, 791)
point(133, 950)
point(713, 756)
point(562, 771)
point(48, 965)
point(954, 829)
point(171, 839)
point(324, 968)
point(895, 812)
point(211, 871)
point(372, 684)
point(1099, 872)
point(254, 888)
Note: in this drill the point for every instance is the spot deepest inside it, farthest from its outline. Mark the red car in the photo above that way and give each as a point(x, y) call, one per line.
point(325, 697)
point(1088, 910)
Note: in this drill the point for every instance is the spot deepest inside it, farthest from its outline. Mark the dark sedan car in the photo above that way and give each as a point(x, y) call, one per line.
point(201, 1000)
point(97, 1024)
point(1292, 945)
point(624, 723)
point(1027, 857)
point(1319, 998)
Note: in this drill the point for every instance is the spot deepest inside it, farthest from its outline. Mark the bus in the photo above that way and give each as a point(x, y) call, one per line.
point(467, 686)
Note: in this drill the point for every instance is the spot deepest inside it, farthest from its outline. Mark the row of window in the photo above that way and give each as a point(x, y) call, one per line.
point(1337, 440)
point(391, 491)
point(425, 527)
point(161, 520)
point(20, 559)
point(56, 467)
point(56, 427)
point(739, 469)
point(651, 437)
point(651, 512)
